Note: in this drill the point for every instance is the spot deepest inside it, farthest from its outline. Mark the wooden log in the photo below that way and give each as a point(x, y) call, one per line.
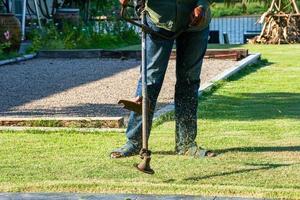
point(286, 15)
point(233, 54)
point(272, 5)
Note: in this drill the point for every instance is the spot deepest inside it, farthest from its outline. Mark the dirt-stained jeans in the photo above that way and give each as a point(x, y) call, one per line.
point(191, 47)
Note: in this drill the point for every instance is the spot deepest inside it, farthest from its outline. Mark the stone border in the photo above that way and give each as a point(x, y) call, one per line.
point(251, 59)
point(54, 129)
point(18, 59)
point(232, 54)
point(66, 122)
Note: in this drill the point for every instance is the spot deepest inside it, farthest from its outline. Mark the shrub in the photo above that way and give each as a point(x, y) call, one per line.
point(107, 35)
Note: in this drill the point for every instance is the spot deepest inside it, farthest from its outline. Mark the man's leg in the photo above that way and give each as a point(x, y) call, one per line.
point(191, 47)
point(158, 53)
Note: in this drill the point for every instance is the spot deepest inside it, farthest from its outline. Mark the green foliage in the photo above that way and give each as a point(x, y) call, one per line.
point(245, 7)
point(221, 10)
point(4, 56)
point(285, 4)
point(104, 7)
point(36, 39)
point(105, 35)
point(1, 51)
point(5, 44)
point(5, 40)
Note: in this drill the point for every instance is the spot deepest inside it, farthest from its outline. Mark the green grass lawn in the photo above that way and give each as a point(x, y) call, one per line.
point(252, 120)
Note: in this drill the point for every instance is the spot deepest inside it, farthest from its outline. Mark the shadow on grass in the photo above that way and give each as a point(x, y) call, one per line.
point(244, 149)
point(166, 153)
point(260, 149)
point(254, 167)
point(251, 106)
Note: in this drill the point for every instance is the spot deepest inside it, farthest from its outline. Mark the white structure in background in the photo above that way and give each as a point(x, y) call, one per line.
point(17, 5)
point(20, 9)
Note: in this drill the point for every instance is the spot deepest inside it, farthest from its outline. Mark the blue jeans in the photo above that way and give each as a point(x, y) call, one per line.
point(191, 47)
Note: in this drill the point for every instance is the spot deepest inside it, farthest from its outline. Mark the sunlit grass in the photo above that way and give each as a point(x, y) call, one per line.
point(252, 121)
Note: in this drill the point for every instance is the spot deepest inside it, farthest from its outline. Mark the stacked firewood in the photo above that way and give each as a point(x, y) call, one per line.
point(279, 27)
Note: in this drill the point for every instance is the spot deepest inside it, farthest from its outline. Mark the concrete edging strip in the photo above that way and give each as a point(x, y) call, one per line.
point(66, 122)
point(18, 59)
point(251, 59)
point(52, 129)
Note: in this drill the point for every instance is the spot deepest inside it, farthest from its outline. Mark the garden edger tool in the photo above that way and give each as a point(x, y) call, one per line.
point(143, 109)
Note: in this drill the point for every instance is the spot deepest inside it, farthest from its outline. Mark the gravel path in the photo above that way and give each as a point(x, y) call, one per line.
point(80, 87)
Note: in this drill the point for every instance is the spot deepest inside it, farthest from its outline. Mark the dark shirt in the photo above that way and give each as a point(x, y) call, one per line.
point(175, 15)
